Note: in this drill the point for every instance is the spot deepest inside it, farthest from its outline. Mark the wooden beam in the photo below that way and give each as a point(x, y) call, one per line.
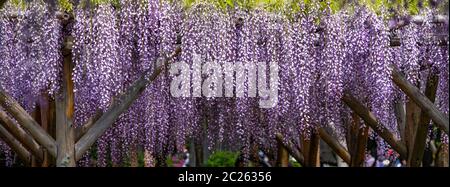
point(291, 149)
point(335, 145)
point(64, 118)
point(371, 121)
point(119, 106)
point(27, 122)
point(400, 114)
point(418, 149)
point(421, 100)
point(15, 145)
point(18, 133)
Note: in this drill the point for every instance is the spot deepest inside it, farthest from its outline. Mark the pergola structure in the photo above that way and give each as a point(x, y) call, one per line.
point(48, 137)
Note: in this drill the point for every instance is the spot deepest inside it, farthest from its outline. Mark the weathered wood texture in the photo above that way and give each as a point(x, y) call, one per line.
point(418, 149)
point(15, 145)
point(65, 138)
point(27, 122)
point(371, 121)
point(439, 118)
point(335, 145)
point(18, 133)
point(291, 148)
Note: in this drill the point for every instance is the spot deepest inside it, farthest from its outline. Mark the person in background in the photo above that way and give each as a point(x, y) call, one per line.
point(379, 162)
point(186, 157)
point(369, 161)
point(264, 160)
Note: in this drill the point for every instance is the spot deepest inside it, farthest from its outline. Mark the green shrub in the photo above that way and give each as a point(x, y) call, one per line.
point(296, 164)
point(222, 159)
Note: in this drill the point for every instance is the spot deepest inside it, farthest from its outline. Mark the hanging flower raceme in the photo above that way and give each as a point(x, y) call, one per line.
point(31, 51)
point(331, 67)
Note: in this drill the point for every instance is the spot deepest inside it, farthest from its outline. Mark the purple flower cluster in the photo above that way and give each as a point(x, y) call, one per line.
point(31, 41)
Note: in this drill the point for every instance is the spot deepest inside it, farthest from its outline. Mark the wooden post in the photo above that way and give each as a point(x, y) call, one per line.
point(416, 154)
point(314, 150)
point(412, 120)
point(305, 149)
point(442, 156)
point(400, 114)
point(421, 100)
point(363, 135)
point(283, 156)
point(52, 118)
point(65, 138)
point(358, 140)
point(44, 109)
point(352, 139)
point(335, 145)
point(371, 121)
point(35, 162)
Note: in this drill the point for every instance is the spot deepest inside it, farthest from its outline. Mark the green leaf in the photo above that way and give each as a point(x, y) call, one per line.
point(65, 5)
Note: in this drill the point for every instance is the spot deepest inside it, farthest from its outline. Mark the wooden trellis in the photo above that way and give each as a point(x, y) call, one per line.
point(412, 152)
point(49, 137)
